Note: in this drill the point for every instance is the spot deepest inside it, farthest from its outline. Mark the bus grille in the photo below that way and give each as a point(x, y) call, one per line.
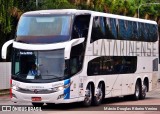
point(35, 91)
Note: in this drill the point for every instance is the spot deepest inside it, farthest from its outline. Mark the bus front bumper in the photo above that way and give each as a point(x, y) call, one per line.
point(56, 97)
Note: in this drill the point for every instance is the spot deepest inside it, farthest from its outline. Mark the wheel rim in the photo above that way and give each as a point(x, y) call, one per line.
point(88, 95)
point(100, 93)
point(137, 91)
point(144, 91)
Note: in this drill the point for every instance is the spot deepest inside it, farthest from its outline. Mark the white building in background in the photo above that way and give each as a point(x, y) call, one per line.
point(5, 75)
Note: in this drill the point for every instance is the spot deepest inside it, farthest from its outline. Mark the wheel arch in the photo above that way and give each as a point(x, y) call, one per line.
point(146, 81)
point(139, 80)
point(103, 86)
point(92, 85)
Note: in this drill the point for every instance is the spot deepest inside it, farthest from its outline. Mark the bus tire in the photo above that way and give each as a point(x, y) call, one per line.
point(88, 96)
point(37, 104)
point(136, 94)
point(143, 91)
point(99, 95)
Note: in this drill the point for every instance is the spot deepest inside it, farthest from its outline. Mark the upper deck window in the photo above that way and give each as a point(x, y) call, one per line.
point(44, 28)
point(120, 29)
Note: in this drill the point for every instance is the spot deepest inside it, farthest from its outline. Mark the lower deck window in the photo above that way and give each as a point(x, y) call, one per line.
point(106, 65)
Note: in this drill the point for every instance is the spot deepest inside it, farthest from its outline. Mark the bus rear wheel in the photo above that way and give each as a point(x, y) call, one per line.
point(37, 104)
point(99, 96)
point(143, 91)
point(136, 94)
point(88, 96)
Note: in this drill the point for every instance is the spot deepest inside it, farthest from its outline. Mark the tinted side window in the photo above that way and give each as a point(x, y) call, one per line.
point(110, 28)
point(80, 26)
point(141, 31)
point(98, 29)
point(153, 33)
point(103, 28)
point(113, 28)
point(125, 29)
point(106, 65)
point(94, 67)
point(147, 32)
point(135, 31)
point(77, 57)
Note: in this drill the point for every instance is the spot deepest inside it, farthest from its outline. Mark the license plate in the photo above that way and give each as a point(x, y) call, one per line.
point(36, 98)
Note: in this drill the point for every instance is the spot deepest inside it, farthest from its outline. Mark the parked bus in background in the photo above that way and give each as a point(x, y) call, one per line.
point(64, 56)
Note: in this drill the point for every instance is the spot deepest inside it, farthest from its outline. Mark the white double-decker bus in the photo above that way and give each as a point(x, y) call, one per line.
point(68, 55)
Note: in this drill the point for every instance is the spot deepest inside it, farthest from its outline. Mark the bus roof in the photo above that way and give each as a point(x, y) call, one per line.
point(92, 13)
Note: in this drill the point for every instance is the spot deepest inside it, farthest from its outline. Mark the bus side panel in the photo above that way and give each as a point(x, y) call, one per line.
point(127, 84)
point(155, 73)
point(113, 85)
point(74, 89)
point(154, 81)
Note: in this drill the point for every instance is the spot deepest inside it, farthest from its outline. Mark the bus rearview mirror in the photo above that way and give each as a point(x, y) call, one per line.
point(69, 45)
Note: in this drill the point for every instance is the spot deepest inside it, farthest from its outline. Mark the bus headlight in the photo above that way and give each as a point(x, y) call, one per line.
point(15, 88)
point(59, 88)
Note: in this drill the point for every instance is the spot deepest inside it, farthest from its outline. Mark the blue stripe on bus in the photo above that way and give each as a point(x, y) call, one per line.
point(67, 90)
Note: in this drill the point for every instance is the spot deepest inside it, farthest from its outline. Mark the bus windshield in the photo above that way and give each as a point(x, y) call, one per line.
point(44, 29)
point(38, 65)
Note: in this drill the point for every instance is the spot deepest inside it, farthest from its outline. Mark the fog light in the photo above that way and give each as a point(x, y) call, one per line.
point(61, 96)
point(13, 95)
